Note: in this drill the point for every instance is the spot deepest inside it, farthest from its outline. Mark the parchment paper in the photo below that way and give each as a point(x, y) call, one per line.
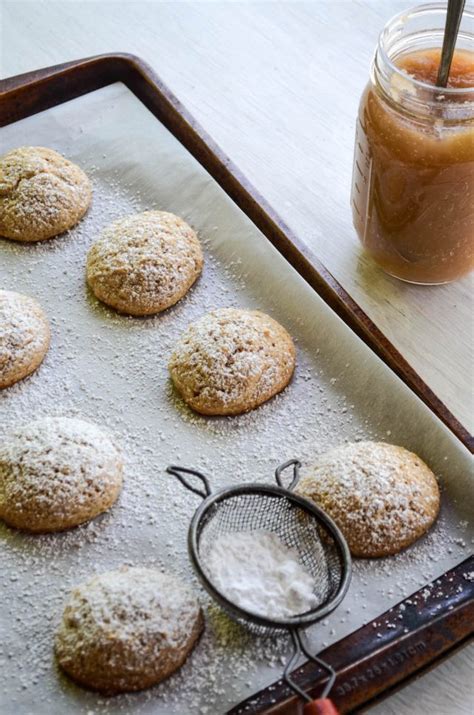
point(113, 370)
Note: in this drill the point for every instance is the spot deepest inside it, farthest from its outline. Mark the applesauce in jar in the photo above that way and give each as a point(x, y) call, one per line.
point(413, 178)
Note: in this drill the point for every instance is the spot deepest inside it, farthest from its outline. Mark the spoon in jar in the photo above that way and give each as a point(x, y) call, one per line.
point(451, 29)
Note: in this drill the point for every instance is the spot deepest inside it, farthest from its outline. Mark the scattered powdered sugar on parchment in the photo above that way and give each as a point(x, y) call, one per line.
point(112, 370)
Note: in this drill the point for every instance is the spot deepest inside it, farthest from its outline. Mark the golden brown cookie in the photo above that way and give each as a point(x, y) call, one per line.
point(127, 630)
point(56, 473)
point(382, 497)
point(231, 361)
point(24, 336)
point(42, 194)
point(144, 263)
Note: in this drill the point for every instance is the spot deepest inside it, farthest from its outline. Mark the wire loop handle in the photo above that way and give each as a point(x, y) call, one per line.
point(177, 472)
point(299, 647)
point(296, 473)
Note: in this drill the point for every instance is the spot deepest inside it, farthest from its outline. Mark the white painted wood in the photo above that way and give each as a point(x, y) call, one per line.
point(277, 85)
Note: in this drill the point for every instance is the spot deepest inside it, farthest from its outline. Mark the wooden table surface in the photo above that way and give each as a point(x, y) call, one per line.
point(277, 85)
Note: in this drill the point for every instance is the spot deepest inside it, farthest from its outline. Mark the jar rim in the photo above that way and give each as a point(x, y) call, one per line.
point(401, 18)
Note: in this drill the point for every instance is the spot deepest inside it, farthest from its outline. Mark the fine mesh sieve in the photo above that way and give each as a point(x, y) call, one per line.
point(301, 526)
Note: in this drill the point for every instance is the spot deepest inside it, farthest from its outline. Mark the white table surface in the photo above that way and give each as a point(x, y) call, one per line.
point(277, 85)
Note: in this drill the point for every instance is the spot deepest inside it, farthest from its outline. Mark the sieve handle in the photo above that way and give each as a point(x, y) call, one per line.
point(180, 471)
point(321, 706)
point(296, 473)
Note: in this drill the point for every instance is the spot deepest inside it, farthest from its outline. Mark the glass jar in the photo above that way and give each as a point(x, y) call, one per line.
point(413, 176)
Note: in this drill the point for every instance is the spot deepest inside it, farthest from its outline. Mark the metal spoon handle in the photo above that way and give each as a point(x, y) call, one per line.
point(453, 20)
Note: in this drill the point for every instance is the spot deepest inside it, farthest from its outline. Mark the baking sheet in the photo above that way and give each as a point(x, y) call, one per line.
point(113, 370)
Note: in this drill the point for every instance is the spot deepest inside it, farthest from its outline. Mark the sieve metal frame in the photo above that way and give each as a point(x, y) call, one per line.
point(212, 499)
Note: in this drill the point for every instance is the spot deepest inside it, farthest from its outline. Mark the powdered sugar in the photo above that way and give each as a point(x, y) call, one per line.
point(256, 571)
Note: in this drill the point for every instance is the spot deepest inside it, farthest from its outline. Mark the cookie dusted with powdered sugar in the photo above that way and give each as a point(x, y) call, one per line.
point(382, 497)
point(127, 630)
point(42, 194)
point(231, 361)
point(24, 336)
point(56, 473)
point(145, 263)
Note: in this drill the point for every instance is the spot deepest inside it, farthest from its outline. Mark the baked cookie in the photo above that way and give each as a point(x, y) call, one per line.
point(42, 194)
point(231, 361)
point(382, 497)
point(145, 263)
point(24, 336)
point(56, 473)
point(127, 630)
